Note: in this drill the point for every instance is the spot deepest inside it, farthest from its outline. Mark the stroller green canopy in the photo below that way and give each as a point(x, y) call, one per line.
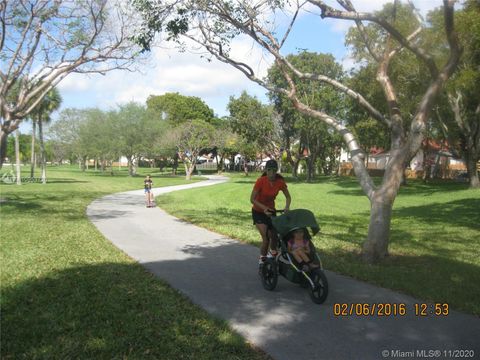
point(295, 219)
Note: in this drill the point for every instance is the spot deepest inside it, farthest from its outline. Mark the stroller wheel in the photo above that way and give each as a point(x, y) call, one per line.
point(269, 274)
point(319, 292)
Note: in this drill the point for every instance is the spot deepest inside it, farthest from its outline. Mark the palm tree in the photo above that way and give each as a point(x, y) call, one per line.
point(41, 115)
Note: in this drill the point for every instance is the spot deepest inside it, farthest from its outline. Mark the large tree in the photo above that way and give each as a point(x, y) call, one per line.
point(190, 138)
point(183, 115)
point(312, 140)
point(213, 24)
point(131, 133)
point(65, 135)
point(255, 122)
point(41, 42)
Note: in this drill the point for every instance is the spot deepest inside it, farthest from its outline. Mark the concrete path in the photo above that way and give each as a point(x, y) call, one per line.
point(220, 275)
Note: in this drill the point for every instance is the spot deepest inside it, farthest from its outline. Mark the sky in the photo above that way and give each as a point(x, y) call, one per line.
point(214, 82)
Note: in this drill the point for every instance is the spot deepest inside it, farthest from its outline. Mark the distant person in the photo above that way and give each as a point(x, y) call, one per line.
point(263, 196)
point(147, 184)
point(299, 246)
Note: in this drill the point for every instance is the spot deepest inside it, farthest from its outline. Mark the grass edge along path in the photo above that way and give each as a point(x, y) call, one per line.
point(67, 292)
point(434, 254)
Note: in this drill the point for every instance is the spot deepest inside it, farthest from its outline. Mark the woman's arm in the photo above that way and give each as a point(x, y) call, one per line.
point(288, 199)
point(256, 203)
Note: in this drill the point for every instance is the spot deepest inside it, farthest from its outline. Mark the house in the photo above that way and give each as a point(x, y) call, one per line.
point(435, 157)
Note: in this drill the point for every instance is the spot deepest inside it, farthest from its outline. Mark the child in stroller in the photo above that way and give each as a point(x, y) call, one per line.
point(299, 246)
point(298, 261)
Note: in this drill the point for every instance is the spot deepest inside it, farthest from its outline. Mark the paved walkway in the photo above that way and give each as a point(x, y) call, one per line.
point(220, 275)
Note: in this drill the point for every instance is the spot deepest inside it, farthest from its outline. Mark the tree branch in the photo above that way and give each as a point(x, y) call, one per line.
point(418, 124)
point(343, 88)
point(329, 12)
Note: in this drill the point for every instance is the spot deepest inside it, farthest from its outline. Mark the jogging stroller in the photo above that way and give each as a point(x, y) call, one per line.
point(285, 263)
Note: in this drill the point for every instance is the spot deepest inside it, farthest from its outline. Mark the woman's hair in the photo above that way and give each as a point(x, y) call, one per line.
point(271, 164)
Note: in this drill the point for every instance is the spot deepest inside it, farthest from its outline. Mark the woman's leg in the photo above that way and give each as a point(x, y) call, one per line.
point(273, 240)
point(262, 229)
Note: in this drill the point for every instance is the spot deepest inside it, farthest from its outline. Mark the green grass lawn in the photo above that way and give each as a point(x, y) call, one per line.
point(68, 293)
point(435, 233)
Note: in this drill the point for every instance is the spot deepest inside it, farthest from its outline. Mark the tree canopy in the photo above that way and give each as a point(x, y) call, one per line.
point(177, 109)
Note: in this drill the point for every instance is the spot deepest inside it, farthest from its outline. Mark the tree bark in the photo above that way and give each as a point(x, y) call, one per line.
point(32, 159)
point(472, 172)
point(83, 163)
point(3, 147)
point(189, 168)
point(130, 167)
point(376, 245)
point(42, 150)
point(17, 157)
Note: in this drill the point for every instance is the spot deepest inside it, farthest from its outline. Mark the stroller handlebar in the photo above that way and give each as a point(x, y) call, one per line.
point(274, 212)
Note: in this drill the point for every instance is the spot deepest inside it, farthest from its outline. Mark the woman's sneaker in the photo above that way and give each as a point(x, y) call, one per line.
point(261, 261)
point(272, 254)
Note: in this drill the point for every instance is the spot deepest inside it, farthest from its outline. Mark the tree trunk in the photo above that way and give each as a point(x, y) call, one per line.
point(3, 147)
point(83, 163)
point(312, 159)
point(376, 246)
point(175, 164)
point(17, 157)
point(295, 168)
point(42, 151)
point(220, 164)
point(309, 169)
point(381, 202)
point(189, 168)
point(130, 166)
point(473, 173)
point(32, 158)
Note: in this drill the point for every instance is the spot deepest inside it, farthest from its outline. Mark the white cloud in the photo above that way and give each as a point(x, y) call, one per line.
point(169, 71)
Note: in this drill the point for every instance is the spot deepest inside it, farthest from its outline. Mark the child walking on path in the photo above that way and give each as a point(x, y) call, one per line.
point(147, 184)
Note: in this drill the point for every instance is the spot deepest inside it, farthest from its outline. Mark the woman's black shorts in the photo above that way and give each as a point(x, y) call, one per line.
point(261, 218)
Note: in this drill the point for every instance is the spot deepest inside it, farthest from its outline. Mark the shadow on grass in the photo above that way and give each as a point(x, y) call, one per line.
point(430, 278)
point(68, 206)
point(109, 311)
point(350, 186)
point(37, 180)
point(465, 212)
point(65, 181)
